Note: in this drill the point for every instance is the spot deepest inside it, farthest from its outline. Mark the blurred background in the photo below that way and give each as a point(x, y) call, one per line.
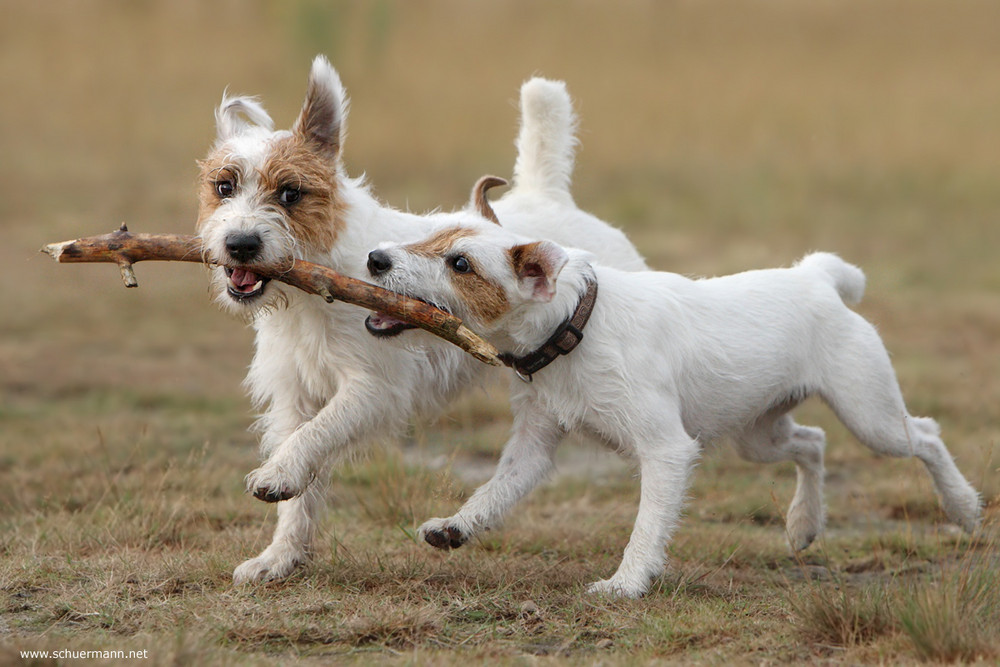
point(720, 135)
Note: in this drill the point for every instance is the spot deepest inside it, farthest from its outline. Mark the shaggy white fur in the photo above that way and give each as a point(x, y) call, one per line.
point(324, 384)
point(666, 365)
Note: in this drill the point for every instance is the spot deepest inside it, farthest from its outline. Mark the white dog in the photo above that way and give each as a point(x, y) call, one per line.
point(326, 386)
point(665, 365)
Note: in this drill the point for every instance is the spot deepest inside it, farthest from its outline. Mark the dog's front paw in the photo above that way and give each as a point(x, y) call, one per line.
point(271, 565)
point(443, 534)
point(273, 483)
point(617, 587)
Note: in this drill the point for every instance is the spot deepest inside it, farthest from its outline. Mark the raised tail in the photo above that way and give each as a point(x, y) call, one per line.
point(848, 279)
point(547, 140)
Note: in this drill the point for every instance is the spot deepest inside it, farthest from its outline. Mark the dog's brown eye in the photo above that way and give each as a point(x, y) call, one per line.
point(460, 264)
point(225, 189)
point(289, 195)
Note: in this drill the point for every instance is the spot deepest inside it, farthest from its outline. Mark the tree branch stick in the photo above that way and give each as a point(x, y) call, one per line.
point(124, 249)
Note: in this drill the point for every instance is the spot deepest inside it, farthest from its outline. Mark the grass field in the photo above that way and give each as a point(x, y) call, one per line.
point(721, 136)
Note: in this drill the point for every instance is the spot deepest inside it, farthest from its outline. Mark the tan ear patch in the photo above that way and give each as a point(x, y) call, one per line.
point(536, 265)
point(526, 260)
point(481, 201)
point(319, 122)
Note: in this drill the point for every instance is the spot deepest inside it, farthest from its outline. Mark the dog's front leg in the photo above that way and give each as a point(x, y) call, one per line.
point(355, 413)
point(297, 518)
point(525, 462)
point(292, 541)
point(665, 465)
point(298, 454)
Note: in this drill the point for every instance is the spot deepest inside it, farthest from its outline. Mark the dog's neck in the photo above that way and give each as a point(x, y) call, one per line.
point(564, 340)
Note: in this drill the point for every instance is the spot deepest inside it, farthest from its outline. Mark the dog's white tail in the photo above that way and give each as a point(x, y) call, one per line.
point(546, 143)
point(848, 279)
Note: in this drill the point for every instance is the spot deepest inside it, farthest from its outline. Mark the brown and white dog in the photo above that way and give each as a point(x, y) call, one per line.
point(658, 365)
point(325, 385)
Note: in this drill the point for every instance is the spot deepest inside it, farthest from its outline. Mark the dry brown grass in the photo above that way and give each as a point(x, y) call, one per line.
point(721, 136)
point(955, 616)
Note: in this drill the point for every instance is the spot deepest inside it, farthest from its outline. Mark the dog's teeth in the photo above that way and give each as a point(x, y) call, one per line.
point(257, 285)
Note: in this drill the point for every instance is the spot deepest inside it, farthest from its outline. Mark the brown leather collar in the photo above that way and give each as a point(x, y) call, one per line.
point(563, 341)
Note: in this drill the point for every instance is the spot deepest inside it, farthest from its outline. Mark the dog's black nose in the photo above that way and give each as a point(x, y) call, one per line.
point(378, 262)
point(243, 247)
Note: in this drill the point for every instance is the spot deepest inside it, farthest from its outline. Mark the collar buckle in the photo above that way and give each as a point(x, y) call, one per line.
point(567, 339)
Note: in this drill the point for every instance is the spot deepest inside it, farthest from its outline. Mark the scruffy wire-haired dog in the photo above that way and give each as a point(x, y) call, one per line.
point(666, 364)
point(325, 385)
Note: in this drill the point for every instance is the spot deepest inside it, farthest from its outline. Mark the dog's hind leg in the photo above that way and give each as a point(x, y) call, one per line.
point(779, 438)
point(864, 393)
point(526, 461)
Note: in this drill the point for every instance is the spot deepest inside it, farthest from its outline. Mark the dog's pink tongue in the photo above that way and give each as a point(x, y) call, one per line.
point(383, 321)
point(243, 278)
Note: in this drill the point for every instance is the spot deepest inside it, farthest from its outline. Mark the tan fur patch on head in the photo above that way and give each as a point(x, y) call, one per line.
point(439, 243)
point(317, 218)
point(486, 300)
point(213, 169)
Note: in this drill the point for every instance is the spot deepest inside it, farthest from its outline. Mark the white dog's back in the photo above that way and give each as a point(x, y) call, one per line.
point(757, 330)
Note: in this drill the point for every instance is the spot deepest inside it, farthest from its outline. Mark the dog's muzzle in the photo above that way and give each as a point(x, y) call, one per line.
point(380, 324)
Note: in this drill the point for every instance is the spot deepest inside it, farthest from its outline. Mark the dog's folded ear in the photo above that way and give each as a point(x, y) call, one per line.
point(479, 199)
point(324, 112)
point(537, 265)
point(236, 114)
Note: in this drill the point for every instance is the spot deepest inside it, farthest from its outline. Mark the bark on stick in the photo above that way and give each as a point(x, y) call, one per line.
point(125, 248)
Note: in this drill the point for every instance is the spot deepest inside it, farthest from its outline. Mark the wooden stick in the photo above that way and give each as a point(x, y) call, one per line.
point(125, 248)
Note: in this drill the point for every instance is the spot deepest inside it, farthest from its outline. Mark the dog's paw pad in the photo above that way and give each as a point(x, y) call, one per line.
point(446, 537)
point(273, 484)
point(269, 495)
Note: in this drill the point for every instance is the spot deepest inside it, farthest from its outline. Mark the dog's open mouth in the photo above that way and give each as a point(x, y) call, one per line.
point(245, 284)
point(382, 325)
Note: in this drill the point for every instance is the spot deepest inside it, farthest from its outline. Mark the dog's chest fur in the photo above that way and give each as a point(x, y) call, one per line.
point(307, 350)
